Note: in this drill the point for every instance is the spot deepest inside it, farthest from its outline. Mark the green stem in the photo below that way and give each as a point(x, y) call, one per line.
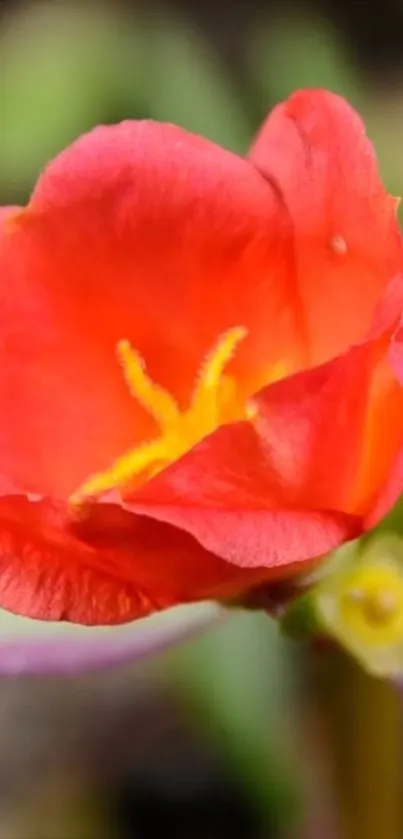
point(361, 720)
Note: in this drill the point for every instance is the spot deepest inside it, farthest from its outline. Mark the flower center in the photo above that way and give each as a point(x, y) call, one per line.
point(372, 603)
point(214, 402)
point(377, 608)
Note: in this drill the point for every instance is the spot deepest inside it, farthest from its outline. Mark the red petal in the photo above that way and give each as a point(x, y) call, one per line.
point(138, 231)
point(297, 482)
point(155, 235)
point(145, 232)
point(47, 572)
point(385, 435)
point(193, 240)
point(347, 242)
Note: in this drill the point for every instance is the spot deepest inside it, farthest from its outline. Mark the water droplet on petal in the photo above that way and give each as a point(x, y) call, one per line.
point(338, 245)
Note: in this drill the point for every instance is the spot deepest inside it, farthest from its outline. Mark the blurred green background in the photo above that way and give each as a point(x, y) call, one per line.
point(219, 738)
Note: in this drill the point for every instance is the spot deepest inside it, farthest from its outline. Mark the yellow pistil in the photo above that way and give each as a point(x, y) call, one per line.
point(214, 402)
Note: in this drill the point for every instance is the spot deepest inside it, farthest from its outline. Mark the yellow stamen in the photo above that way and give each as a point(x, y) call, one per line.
point(157, 401)
point(213, 403)
point(213, 383)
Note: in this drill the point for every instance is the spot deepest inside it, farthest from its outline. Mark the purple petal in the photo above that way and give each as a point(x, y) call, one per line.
point(40, 647)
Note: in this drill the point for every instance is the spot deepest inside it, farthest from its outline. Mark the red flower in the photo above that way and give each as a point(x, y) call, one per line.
point(195, 397)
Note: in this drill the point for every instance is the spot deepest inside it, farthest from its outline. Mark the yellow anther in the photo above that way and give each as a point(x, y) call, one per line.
point(218, 359)
point(212, 382)
point(214, 402)
point(146, 458)
point(157, 401)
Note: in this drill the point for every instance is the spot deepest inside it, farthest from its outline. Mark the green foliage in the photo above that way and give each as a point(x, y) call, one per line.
point(62, 71)
point(185, 83)
point(298, 51)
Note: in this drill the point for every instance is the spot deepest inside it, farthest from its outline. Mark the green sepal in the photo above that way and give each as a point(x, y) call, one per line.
point(301, 619)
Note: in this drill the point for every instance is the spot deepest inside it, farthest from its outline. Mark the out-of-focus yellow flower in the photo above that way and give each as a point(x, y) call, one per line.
point(359, 605)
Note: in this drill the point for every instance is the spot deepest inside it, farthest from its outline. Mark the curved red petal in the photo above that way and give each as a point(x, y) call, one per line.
point(385, 437)
point(194, 240)
point(278, 543)
point(248, 494)
point(147, 233)
point(47, 574)
point(138, 231)
point(347, 242)
point(119, 572)
point(297, 481)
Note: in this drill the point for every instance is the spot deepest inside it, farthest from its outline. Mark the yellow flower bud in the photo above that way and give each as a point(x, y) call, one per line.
point(361, 606)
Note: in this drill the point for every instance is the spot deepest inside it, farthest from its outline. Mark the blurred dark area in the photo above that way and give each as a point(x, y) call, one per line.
point(374, 38)
point(215, 68)
point(202, 742)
